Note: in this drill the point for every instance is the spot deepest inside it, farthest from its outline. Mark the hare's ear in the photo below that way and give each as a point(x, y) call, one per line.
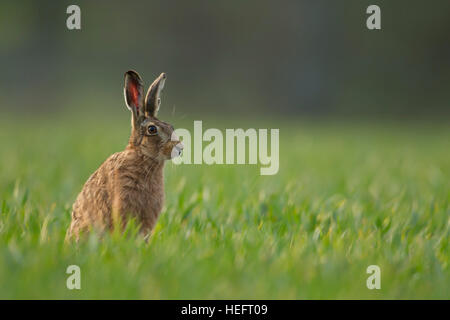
point(153, 99)
point(134, 94)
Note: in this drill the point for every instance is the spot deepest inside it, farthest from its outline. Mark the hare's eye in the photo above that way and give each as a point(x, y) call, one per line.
point(152, 129)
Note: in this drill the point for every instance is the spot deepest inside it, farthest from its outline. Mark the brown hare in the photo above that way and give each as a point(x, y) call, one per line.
point(130, 184)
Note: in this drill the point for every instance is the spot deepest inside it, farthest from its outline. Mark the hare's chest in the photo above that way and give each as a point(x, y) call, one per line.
point(147, 199)
point(154, 199)
point(142, 189)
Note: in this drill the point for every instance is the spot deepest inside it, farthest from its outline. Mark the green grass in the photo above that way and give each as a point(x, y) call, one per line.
point(346, 197)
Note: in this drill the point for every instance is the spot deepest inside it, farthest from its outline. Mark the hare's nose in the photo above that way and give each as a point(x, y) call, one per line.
point(179, 147)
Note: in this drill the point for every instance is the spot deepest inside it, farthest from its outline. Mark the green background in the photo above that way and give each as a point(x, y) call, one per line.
point(364, 148)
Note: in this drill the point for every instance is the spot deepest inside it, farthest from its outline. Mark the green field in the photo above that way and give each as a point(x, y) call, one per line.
point(347, 196)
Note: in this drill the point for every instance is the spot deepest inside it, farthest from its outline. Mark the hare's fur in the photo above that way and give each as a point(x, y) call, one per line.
point(129, 184)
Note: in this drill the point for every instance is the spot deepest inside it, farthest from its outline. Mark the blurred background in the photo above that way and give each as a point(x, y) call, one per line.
point(253, 58)
point(364, 147)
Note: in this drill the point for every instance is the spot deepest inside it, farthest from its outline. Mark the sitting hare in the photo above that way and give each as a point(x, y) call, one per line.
point(130, 183)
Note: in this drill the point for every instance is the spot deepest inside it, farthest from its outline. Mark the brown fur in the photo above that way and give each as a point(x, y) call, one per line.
point(129, 184)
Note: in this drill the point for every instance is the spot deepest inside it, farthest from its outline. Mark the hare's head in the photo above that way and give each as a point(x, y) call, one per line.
point(155, 138)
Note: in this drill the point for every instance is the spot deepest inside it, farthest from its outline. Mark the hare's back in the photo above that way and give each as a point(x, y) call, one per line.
point(94, 202)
